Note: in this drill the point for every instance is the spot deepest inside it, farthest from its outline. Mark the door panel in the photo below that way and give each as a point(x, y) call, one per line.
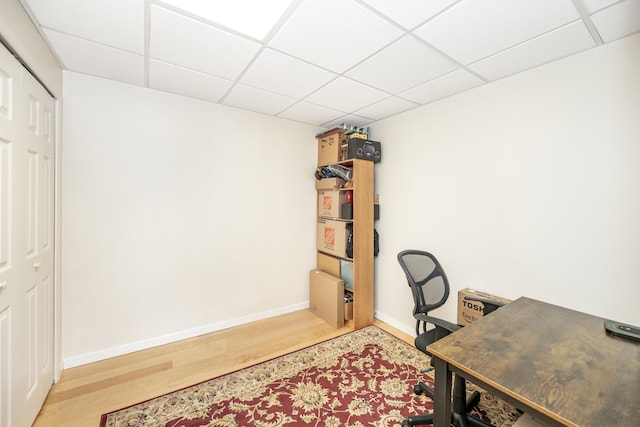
point(46, 235)
point(38, 257)
point(46, 326)
point(32, 340)
point(9, 301)
point(26, 243)
point(5, 203)
point(5, 368)
point(32, 204)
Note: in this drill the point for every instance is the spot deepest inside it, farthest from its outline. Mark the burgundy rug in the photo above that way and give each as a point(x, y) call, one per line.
point(363, 378)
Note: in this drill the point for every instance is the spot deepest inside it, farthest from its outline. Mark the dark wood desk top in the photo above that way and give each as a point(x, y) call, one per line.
point(558, 361)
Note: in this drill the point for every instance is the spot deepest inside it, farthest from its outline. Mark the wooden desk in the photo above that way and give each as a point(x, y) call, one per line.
point(556, 364)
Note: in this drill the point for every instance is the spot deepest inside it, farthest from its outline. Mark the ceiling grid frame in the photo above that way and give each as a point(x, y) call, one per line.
point(290, 50)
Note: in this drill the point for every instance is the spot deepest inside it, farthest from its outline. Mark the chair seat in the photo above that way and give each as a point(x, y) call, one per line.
point(423, 340)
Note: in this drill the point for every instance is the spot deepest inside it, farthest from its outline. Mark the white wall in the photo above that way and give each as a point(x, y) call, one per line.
point(527, 186)
point(179, 217)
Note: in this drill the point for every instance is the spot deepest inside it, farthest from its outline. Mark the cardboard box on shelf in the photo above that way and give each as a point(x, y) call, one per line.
point(469, 311)
point(329, 264)
point(326, 297)
point(329, 146)
point(330, 183)
point(330, 203)
point(348, 310)
point(332, 237)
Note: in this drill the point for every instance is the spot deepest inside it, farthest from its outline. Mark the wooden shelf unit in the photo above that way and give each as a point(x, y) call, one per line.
point(363, 231)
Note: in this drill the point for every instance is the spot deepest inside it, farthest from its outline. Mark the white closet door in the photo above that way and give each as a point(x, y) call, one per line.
point(9, 276)
point(37, 286)
point(26, 263)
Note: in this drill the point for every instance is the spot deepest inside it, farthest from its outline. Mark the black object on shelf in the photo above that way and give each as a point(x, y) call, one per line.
point(364, 149)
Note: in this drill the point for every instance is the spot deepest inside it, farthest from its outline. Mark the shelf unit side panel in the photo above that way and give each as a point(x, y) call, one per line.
point(363, 226)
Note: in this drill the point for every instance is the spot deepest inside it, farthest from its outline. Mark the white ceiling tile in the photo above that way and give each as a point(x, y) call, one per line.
point(252, 17)
point(183, 81)
point(347, 58)
point(618, 21)
point(310, 113)
point(286, 75)
point(562, 42)
point(447, 85)
point(474, 29)
point(261, 101)
point(116, 23)
point(409, 13)
point(386, 107)
point(192, 44)
point(96, 59)
point(334, 34)
point(595, 5)
point(406, 63)
point(346, 95)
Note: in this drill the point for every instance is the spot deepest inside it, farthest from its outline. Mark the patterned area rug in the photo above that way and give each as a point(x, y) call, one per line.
point(363, 378)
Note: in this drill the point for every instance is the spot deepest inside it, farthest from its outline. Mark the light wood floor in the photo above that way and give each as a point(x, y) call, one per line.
point(84, 393)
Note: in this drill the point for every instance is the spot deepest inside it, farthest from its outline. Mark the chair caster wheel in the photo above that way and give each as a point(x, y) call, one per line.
point(418, 391)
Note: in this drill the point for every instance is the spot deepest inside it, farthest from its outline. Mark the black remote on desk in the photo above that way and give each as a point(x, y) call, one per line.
point(622, 330)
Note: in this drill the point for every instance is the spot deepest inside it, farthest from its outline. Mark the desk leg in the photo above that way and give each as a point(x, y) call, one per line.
point(442, 394)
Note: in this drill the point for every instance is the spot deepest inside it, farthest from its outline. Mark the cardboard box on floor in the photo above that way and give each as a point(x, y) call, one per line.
point(343, 269)
point(527, 420)
point(470, 311)
point(326, 297)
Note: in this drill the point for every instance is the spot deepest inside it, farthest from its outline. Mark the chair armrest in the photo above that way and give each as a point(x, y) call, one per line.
point(490, 305)
point(439, 323)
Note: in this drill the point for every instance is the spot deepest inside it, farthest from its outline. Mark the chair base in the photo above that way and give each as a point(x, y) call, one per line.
point(460, 416)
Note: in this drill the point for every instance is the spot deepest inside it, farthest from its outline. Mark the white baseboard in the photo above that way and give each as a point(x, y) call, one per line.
point(83, 359)
point(395, 323)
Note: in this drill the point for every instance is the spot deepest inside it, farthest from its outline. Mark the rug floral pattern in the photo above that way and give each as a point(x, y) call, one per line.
point(363, 378)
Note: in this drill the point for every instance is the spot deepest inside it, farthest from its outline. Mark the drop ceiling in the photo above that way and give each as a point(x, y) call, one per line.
point(323, 62)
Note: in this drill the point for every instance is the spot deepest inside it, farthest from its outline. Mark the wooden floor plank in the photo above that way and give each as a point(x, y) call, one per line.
point(84, 393)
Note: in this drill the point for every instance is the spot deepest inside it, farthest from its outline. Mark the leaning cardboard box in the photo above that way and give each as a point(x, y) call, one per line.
point(469, 310)
point(326, 297)
point(342, 268)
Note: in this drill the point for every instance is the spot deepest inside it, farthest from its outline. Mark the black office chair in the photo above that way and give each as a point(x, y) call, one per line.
point(430, 288)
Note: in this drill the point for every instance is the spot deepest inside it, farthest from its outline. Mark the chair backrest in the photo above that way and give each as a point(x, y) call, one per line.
point(427, 279)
